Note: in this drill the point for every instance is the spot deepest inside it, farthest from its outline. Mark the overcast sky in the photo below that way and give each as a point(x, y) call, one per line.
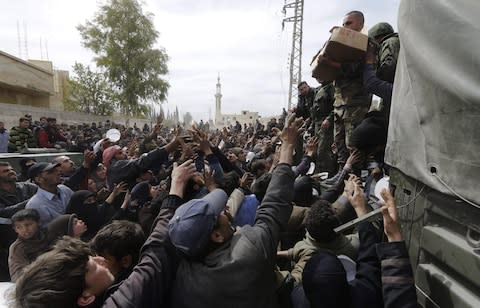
point(242, 41)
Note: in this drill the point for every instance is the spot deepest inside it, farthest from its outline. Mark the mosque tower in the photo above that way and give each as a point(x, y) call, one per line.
point(218, 102)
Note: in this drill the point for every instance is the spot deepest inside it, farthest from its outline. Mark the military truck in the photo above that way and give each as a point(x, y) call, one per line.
point(434, 145)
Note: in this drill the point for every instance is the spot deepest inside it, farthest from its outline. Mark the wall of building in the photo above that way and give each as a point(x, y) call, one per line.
point(24, 77)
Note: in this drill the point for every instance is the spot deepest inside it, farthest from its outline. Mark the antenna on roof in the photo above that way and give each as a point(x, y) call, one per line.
point(41, 50)
point(25, 39)
point(19, 41)
point(46, 48)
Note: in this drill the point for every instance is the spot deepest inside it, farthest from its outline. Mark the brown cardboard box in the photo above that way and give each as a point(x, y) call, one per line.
point(321, 70)
point(344, 45)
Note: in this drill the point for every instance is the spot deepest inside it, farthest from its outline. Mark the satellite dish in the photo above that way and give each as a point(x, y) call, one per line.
point(113, 134)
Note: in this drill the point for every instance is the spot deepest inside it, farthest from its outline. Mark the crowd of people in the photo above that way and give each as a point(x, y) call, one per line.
point(200, 217)
point(46, 133)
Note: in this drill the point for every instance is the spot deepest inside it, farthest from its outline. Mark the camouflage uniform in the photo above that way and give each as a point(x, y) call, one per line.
point(18, 137)
point(322, 109)
point(386, 58)
point(389, 49)
point(304, 105)
point(351, 104)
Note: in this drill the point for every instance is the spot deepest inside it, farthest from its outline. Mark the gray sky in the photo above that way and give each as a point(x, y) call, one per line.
point(241, 40)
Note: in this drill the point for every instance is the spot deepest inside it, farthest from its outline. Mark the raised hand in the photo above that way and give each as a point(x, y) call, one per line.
point(292, 130)
point(311, 146)
point(391, 223)
point(246, 181)
point(88, 158)
point(354, 158)
point(180, 176)
point(355, 195)
point(126, 200)
point(325, 124)
point(208, 177)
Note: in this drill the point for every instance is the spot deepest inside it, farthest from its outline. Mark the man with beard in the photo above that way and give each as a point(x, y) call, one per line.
point(52, 197)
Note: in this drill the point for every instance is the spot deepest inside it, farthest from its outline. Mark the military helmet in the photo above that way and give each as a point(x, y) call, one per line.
point(382, 28)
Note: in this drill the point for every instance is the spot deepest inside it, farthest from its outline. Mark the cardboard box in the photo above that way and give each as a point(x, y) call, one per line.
point(321, 70)
point(344, 45)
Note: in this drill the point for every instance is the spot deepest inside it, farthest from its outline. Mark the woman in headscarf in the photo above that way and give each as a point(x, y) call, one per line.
point(84, 204)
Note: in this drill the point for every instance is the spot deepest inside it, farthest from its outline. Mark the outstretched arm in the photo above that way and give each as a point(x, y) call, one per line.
point(275, 210)
point(150, 281)
point(398, 284)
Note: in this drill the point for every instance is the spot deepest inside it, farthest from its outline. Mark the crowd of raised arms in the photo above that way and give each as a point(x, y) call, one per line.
point(241, 216)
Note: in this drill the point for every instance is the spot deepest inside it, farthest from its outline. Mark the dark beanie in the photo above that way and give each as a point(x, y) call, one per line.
point(324, 281)
point(141, 194)
point(371, 132)
point(303, 191)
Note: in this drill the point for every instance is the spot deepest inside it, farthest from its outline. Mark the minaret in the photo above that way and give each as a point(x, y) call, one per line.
point(218, 102)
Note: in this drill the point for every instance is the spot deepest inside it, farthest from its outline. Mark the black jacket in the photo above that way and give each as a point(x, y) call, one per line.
point(129, 170)
point(149, 283)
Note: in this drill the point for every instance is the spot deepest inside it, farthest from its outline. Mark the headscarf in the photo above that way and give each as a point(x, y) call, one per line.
point(109, 153)
point(89, 213)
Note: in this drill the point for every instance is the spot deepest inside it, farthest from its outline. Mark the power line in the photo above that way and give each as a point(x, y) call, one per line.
point(296, 53)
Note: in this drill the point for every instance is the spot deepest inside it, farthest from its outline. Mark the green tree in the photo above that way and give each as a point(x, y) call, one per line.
point(89, 92)
point(123, 37)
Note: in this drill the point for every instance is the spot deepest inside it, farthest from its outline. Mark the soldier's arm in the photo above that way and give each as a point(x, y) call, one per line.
point(388, 60)
point(375, 85)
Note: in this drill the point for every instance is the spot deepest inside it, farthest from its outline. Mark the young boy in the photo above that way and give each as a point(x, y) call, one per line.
point(31, 242)
point(119, 243)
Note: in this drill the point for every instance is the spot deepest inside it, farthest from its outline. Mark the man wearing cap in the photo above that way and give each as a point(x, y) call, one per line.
point(52, 197)
point(222, 267)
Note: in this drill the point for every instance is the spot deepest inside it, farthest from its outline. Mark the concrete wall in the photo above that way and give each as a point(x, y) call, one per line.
point(25, 77)
point(10, 113)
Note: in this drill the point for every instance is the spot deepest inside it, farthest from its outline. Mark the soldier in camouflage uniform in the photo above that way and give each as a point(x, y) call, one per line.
point(306, 95)
point(352, 102)
point(322, 118)
point(389, 48)
point(386, 59)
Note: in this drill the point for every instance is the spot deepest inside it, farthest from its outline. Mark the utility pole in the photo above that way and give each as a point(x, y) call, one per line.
point(296, 53)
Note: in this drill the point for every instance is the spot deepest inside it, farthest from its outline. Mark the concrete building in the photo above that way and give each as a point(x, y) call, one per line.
point(222, 120)
point(34, 87)
point(34, 83)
